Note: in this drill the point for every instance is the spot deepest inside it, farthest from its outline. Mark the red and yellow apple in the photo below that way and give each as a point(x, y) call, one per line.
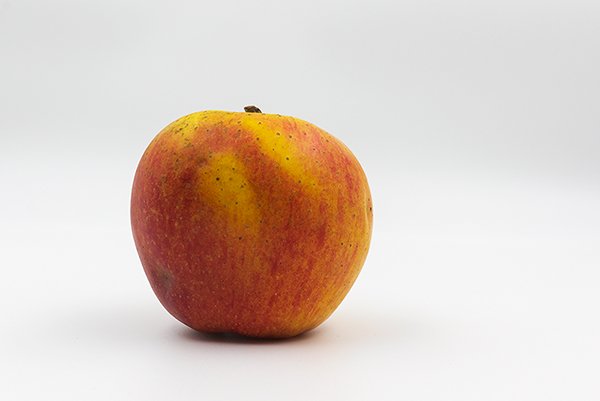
point(250, 223)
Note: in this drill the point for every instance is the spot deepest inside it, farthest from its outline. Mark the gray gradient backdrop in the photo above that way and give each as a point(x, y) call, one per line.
point(477, 123)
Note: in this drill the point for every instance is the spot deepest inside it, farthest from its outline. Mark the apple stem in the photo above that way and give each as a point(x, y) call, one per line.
point(252, 109)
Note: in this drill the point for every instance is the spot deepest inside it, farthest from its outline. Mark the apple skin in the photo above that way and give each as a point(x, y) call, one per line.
point(250, 223)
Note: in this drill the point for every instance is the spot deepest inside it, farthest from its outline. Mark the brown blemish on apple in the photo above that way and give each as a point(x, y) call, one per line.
point(162, 278)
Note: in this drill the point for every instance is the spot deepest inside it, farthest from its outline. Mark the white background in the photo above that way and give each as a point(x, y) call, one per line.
point(477, 123)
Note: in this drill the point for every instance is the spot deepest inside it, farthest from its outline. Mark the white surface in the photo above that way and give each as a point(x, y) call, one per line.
point(477, 126)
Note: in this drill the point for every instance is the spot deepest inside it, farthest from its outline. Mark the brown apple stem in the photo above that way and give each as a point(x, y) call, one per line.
point(252, 109)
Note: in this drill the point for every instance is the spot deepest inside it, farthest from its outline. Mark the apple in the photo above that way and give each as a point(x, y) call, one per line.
point(250, 223)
